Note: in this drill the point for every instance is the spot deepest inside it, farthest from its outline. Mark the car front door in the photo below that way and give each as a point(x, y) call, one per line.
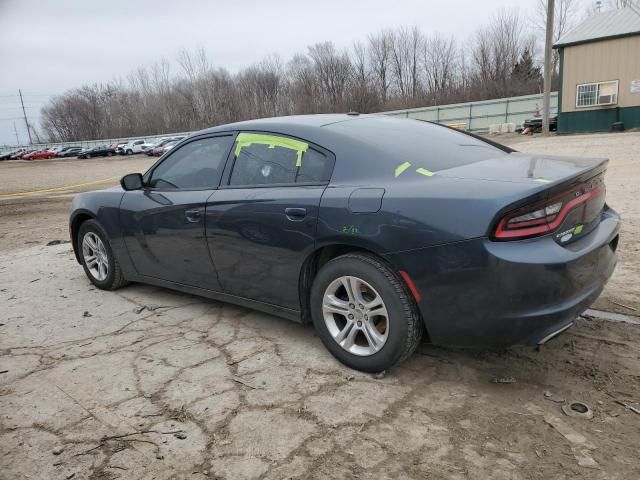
point(261, 223)
point(163, 224)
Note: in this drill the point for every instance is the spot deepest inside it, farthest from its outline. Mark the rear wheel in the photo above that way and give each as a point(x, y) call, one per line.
point(88, 156)
point(100, 265)
point(109, 154)
point(364, 314)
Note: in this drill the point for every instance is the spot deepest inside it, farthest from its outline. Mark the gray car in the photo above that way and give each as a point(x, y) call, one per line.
point(379, 231)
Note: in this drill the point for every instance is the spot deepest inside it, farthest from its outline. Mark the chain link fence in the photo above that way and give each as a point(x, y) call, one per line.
point(479, 116)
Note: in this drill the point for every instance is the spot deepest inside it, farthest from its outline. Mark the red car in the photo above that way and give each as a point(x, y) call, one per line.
point(29, 155)
point(158, 152)
point(42, 154)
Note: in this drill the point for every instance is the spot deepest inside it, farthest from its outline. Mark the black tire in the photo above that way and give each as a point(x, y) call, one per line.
point(88, 156)
point(405, 324)
point(109, 154)
point(129, 152)
point(114, 279)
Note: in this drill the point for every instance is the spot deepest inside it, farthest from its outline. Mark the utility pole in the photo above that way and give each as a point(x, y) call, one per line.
point(16, 132)
point(547, 67)
point(26, 122)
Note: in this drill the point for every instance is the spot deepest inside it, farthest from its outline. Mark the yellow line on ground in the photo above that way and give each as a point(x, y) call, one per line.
point(57, 189)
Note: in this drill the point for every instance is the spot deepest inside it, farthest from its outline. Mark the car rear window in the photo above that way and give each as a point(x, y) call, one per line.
point(423, 144)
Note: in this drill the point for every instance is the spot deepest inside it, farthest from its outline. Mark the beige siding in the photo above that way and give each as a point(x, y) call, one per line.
point(617, 59)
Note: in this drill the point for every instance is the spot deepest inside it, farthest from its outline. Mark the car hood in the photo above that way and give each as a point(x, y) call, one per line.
point(526, 168)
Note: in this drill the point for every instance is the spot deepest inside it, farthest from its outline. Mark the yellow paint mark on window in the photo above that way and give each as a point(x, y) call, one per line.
point(543, 180)
point(401, 168)
point(578, 229)
point(245, 139)
point(424, 171)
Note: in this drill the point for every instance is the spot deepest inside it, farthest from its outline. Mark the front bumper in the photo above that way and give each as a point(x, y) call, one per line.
point(481, 293)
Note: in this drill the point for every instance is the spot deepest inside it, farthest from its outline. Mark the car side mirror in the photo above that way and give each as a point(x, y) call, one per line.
point(132, 181)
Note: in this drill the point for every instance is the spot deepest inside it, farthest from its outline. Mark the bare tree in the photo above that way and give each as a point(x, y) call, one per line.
point(363, 97)
point(439, 62)
point(392, 69)
point(379, 58)
point(621, 3)
point(333, 70)
point(565, 17)
point(406, 47)
point(498, 47)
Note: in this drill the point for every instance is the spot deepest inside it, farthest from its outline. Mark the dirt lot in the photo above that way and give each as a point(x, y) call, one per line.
point(91, 389)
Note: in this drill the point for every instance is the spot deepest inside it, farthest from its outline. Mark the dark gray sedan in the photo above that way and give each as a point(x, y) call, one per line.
point(379, 231)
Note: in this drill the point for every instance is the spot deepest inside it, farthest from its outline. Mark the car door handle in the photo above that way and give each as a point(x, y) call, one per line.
point(193, 215)
point(295, 214)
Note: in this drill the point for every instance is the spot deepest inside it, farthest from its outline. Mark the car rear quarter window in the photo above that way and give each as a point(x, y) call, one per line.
point(283, 161)
point(195, 165)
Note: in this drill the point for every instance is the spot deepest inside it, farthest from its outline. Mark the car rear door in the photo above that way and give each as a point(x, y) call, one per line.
point(163, 224)
point(261, 222)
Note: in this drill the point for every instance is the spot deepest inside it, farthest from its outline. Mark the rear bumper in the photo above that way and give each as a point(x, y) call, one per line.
point(481, 293)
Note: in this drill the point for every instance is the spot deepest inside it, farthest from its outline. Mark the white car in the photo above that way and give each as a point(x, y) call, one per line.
point(134, 146)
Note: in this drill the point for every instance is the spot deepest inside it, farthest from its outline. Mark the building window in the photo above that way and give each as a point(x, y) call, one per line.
point(594, 94)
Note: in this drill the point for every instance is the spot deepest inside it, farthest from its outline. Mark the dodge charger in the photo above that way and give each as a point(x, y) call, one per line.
point(378, 231)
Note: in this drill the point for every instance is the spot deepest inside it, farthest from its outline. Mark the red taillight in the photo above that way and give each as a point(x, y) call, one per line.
point(541, 219)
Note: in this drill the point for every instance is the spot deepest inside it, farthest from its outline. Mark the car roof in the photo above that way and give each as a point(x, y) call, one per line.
point(371, 146)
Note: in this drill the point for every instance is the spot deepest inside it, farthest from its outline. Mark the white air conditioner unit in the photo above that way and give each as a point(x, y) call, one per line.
point(607, 99)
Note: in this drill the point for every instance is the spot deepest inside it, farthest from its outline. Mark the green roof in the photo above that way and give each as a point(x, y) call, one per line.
point(617, 23)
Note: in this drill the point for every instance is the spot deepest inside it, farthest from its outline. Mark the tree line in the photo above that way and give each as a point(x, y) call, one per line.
point(391, 69)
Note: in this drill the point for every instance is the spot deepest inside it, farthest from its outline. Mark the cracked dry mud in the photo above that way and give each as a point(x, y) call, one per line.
point(151, 395)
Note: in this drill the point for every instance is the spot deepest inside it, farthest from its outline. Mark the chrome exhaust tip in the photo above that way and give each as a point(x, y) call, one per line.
point(554, 334)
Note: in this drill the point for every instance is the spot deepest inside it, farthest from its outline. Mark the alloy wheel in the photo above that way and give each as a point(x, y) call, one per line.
point(95, 256)
point(355, 316)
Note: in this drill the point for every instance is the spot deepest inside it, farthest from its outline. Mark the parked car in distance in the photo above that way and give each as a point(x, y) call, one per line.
point(71, 151)
point(377, 230)
point(11, 154)
point(131, 147)
point(149, 149)
point(97, 151)
point(33, 154)
point(118, 147)
point(535, 123)
point(43, 154)
point(160, 149)
point(153, 143)
point(20, 154)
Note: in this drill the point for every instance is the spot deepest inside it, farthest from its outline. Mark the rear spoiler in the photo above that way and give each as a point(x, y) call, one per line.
point(497, 145)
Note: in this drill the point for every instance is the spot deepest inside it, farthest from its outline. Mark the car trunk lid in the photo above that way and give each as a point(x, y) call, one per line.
point(560, 195)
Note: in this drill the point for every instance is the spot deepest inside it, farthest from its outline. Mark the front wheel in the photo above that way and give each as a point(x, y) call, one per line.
point(100, 265)
point(364, 314)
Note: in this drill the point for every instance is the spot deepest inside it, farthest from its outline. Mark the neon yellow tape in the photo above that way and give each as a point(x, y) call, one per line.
point(272, 141)
point(543, 180)
point(402, 167)
point(424, 171)
point(578, 229)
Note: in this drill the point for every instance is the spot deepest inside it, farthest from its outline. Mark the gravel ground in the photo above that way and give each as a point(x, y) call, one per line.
point(93, 387)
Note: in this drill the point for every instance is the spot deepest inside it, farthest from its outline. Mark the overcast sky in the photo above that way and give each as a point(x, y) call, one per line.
point(49, 46)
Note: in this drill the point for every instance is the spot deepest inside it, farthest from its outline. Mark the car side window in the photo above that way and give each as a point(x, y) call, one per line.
point(265, 159)
point(197, 164)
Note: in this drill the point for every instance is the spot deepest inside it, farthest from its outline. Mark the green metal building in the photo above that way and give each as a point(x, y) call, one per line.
point(600, 73)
